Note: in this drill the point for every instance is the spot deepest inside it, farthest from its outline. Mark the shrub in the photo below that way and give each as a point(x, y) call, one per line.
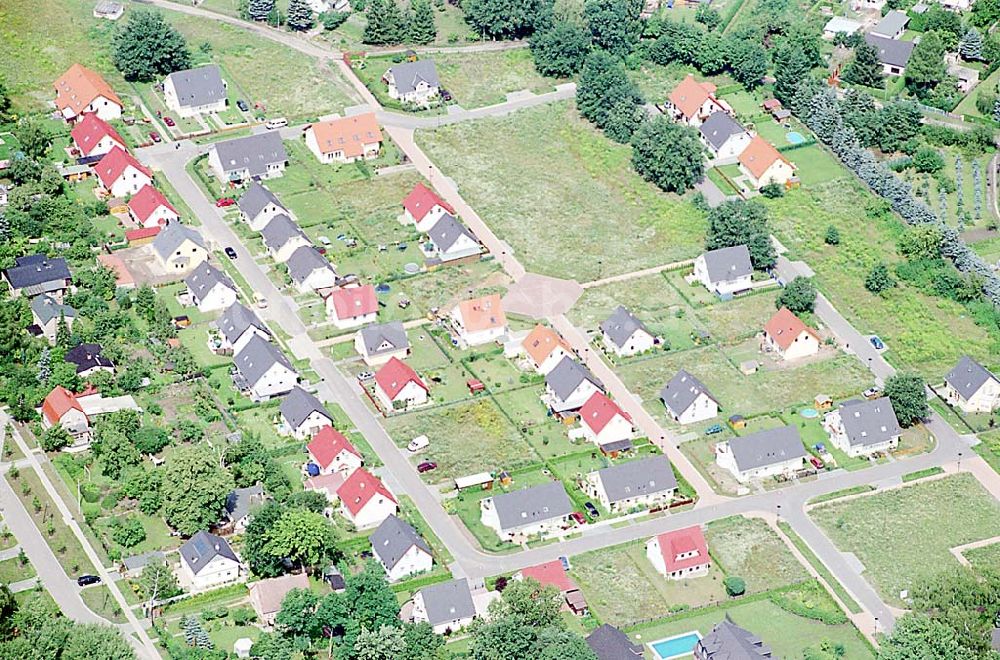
point(735, 586)
point(832, 236)
point(772, 191)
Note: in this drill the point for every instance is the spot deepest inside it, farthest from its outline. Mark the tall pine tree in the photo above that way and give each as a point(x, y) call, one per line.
point(385, 23)
point(971, 45)
point(865, 68)
point(300, 15)
point(258, 10)
point(422, 28)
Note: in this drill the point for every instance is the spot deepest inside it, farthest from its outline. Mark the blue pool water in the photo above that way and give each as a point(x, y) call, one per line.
point(675, 647)
point(809, 413)
point(794, 137)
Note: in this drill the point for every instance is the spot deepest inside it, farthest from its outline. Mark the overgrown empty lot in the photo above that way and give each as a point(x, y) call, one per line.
point(563, 195)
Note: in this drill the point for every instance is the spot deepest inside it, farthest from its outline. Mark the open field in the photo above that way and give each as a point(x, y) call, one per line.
point(747, 547)
point(580, 185)
point(903, 534)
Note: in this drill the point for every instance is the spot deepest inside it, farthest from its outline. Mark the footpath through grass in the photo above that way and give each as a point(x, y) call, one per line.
point(820, 568)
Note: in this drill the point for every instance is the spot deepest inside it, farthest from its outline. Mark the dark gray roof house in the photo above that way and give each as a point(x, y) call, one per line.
point(682, 391)
point(645, 476)
point(304, 262)
point(257, 357)
point(87, 357)
point(567, 376)
point(728, 641)
point(252, 154)
point(279, 231)
point(529, 506)
point(36, 273)
point(299, 404)
point(45, 308)
point(727, 264)
point(202, 548)
point(236, 320)
point(138, 562)
point(621, 325)
point(199, 86)
point(255, 199)
point(968, 377)
point(239, 501)
point(609, 643)
point(393, 539)
point(891, 24)
point(408, 75)
point(767, 447)
point(206, 277)
point(891, 51)
point(384, 338)
point(446, 232)
point(448, 601)
point(173, 236)
point(718, 128)
point(869, 422)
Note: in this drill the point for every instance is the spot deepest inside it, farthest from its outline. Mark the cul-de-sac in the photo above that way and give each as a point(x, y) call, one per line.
point(499, 329)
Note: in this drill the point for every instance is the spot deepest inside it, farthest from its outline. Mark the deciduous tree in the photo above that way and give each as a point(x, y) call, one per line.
point(799, 296)
point(148, 48)
point(194, 489)
point(560, 50)
point(668, 155)
point(736, 222)
point(507, 19)
point(908, 395)
point(614, 24)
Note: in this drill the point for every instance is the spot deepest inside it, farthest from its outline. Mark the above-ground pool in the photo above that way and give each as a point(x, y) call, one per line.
point(794, 137)
point(809, 413)
point(677, 646)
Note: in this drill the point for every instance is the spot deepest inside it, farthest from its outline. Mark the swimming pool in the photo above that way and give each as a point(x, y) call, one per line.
point(809, 413)
point(794, 137)
point(677, 646)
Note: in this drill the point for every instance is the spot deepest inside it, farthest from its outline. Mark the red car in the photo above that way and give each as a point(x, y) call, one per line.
point(578, 517)
point(154, 136)
point(224, 202)
point(169, 122)
point(426, 466)
point(817, 463)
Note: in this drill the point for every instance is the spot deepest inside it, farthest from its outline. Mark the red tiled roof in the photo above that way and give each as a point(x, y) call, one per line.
point(348, 134)
point(689, 95)
point(599, 411)
point(147, 200)
point(327, 444)
point(394, 375)
point(421, 200)
point(76, 88)
point(784, 327)
point(141, 233)
point(759, 155)
point(123, 277)
point(481, 314)
point(551, 572)
point(354, 301)
point(328, 482)
point(540, 343)
point(90, 130)
point(682, 541)
point(58, 402)
point(113, 165)
point(360, 488)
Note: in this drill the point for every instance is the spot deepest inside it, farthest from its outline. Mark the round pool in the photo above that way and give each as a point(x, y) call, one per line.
point(382, 288)
point(794, 137)
point(809, 413)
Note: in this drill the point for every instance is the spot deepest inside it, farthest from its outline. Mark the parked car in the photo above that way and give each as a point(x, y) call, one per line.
point(713, 429)
point(230, 252)
point(578, 517)
point(85, 580)
point(817, 463)
point(418, 443)
point(365, 375)
point(260, 300)
point(169, 122)
point(592, 510)
point(154, 136)
point(243, 105)
point(224, 202)
point(871, 393)
point(877, 343)
point(277, 122)
point(426, 466)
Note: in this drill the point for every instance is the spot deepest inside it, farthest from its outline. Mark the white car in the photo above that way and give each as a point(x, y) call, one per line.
point(277, 122)
point(418, 443)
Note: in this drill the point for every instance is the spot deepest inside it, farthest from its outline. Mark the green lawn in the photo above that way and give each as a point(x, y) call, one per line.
point(749, 548)
point(579, 185)
point(968, 104)
point(987, 556)
point(99, 599)
point(906, 533)
point(11, 570)
point(737, 319)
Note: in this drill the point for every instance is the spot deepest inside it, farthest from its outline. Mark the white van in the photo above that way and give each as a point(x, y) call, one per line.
point(418, 443)
point(277, 122)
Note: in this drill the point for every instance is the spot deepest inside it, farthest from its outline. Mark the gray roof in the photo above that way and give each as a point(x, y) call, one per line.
point(279, 231)
point(239, 501)
point(408, 75)
point(621, 325)
point(203, 547)
point(236, 319)
point(609, 643)
point(198, 86)
point(204, 278)
point(869, 422)
point(173, 236)
point(891, 23)
point(718, 128)
point(46, 308)
point(304, 262)
point(727, 264)
point(681, 392)
point(257, 357)
point(891, 51)
point(532, 505)
point(393, 539)
point(136, 562)
point(253, 153)
point(728, 641)
point(448, 601)
point(88, 356)
point(567, 376)
point(447, 231)
point(767, 448)
point(255, 199)
point(968, 376)
point(299, 404)
point(392, 335)
point(646, 476)
point(34, 270)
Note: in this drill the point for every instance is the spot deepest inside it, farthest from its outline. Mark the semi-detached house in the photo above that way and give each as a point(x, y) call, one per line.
point(263, 371)
point(644, 483)
point(260, 156)
point(522, 514)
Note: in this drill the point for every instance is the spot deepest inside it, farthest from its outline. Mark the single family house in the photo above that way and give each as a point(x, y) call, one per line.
point(723, 136)
point(450, 240)
point(332, 453)
point(121, 174)
point(727, 640)
point(692, 102)
point(545, 348)
point(645, 483)
point(893, 54)
point(379, 343)
point(353, 306)
point(267, 595)
point(413, 82)
point(239, 501)
point(767, 453)
point(533, 511)
point(208, 561)
point(80, 91)
point(398, 386)
point(892, 25)
point(423, 208)
point(303, 414)
point(89, 360)
point(149, 208)
point(609, 643)
point(263, 371)
point(258, 206)
point(196, 91)
point(480, 320)
point(862, 427)
point(679, 554)
point(237, 325)
point(35, 274)
point(725, 271)
point(604, 423)
point(179, 248)
point(763, 164)
point(400, 549)
point(260, 156)
point(94, 137)
point(624, 334)
point(345, 140)
point(210, 289)
point(687, 400)
point(365, 501)
point(46, 314)
point(282, 237)
point(446, 606)
point(789, 337)
point(310, 270)
point(972, 387)
point(569, 385)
